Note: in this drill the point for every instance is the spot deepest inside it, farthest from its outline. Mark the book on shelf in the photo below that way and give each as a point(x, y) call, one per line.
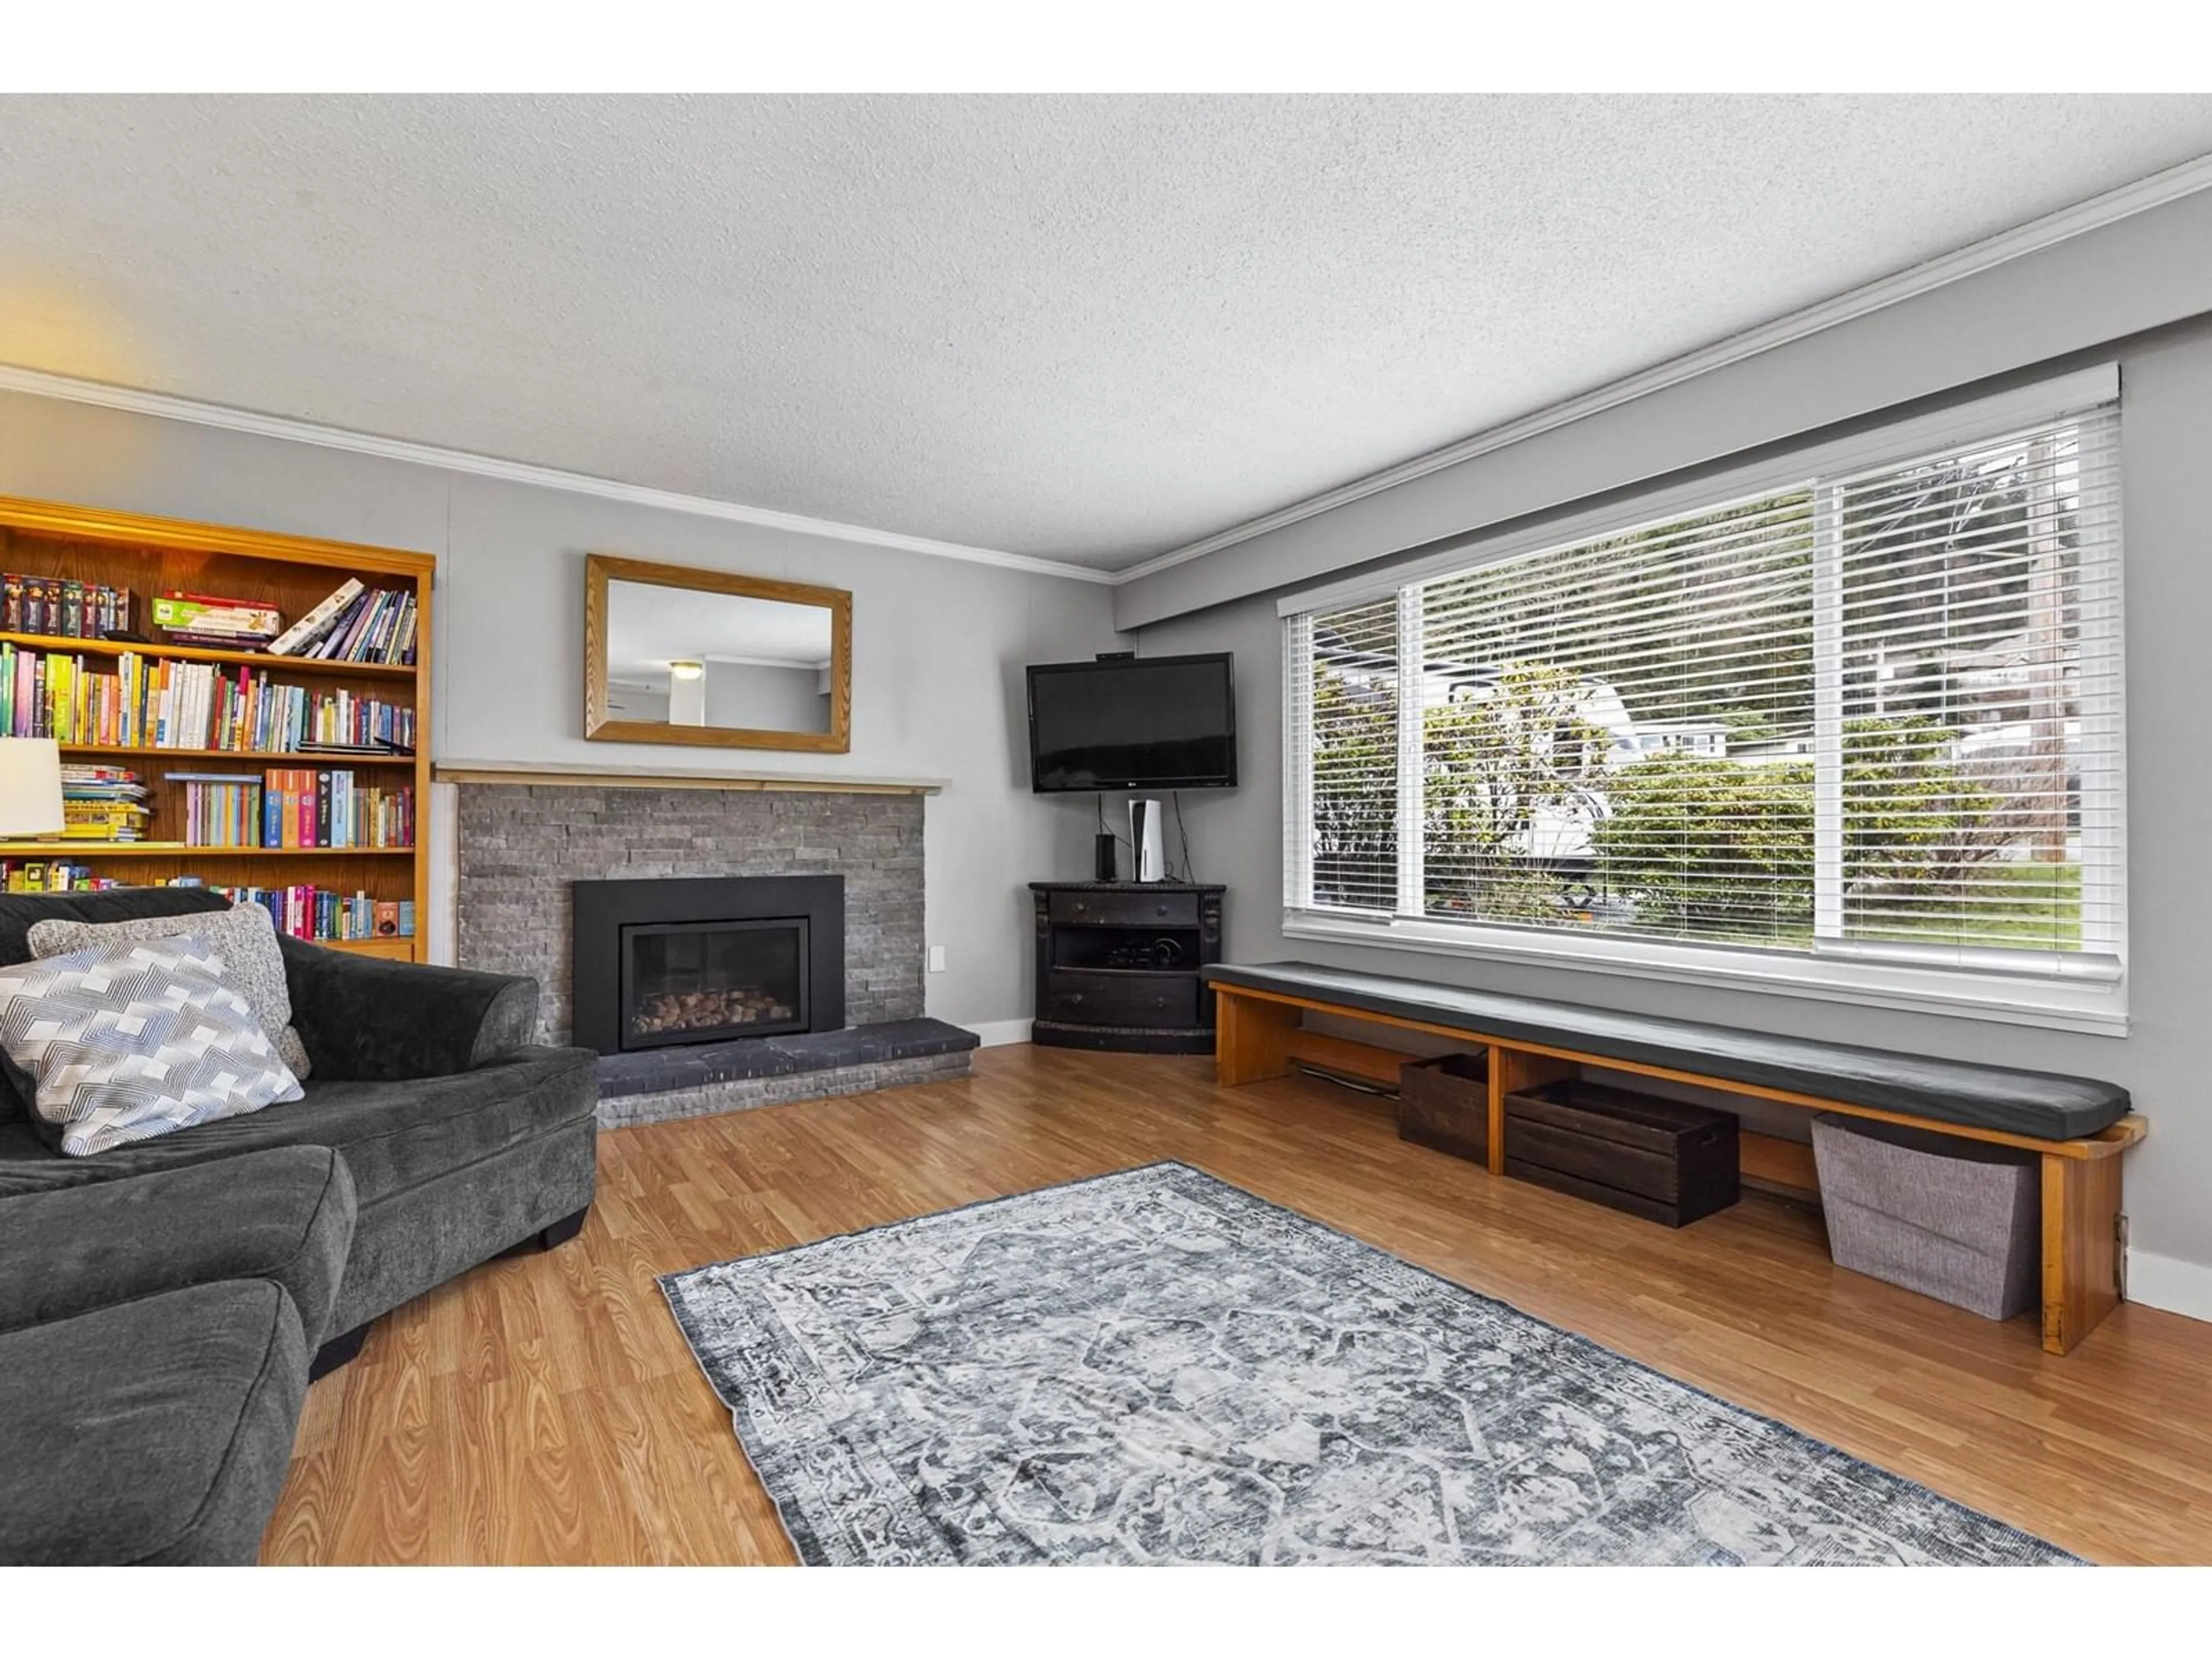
point(354, 624)
point(54, 607)
point(42, 875)
point(208, 619)
point(374, 750)
point(108, 782)
point(311, 627)
point(294, 808)
point(377, 626)
point(146, 702)
point(314, 807)
point(221, 809)
point(102, 804)
point(340, 635)
point(284, 809)
point(103, 823)
point(323, 915)
point(320, 915)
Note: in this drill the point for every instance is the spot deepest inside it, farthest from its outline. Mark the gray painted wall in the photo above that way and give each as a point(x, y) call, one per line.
point(939, 644)
point(627, 703)
point(2166, 421)
point(760, 695)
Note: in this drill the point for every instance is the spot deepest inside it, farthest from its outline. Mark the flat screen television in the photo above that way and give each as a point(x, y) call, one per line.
point(1133, 723)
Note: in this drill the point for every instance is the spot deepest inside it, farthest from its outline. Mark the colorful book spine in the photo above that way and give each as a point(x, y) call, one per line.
point(374, 627)
point(160, 702)
point(310, 628)
point(324, 915)
point(233, 624)
point(54, 607)
point(316, 807)
point(52, 876)
point(221, 809)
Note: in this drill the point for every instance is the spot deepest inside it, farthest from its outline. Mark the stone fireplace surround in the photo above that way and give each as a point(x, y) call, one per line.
point(523, 838)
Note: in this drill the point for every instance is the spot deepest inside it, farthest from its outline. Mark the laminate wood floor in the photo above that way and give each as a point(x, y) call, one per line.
point(544, 1409)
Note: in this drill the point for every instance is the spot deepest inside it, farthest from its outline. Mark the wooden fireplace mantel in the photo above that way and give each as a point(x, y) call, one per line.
point(556, 775)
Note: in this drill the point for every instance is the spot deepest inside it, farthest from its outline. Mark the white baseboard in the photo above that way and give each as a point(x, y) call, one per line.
point(2163, 1281)
point(997, 1033)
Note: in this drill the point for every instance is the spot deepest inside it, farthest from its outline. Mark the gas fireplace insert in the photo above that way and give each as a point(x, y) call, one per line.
point(707, 959)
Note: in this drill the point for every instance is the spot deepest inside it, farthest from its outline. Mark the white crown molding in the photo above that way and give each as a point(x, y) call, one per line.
point(2037, 235)
point(41, 384)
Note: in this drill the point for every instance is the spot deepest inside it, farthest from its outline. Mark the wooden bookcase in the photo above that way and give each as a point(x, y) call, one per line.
point(292, 572)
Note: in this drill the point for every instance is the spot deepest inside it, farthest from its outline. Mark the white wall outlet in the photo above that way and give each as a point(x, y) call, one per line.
point(936, 958)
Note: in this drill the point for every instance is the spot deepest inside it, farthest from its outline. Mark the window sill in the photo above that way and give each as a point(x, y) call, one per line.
point(2095, 1006)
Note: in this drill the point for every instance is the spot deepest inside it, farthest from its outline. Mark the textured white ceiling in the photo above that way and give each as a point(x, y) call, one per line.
point(1090, 329)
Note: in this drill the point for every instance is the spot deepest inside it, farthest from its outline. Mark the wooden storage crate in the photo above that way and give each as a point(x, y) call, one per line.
point(1663, 1160)
point(1445, 1103)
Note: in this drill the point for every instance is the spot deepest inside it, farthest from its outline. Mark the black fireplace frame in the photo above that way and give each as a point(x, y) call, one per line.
point(603, 908)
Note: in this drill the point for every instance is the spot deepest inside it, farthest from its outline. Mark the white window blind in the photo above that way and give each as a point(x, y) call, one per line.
point(1873, 714)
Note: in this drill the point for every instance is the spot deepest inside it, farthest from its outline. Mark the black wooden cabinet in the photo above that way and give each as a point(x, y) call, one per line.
point(1117, 965)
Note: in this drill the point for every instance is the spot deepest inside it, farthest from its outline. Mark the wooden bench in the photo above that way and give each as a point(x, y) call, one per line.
point(2080, 1126)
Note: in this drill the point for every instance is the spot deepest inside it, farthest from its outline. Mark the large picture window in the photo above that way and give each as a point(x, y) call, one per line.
point(1868, 716)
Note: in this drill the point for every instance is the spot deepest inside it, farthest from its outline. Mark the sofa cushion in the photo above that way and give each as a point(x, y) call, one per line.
point(393, 1135)
point(245, 937)
point(156, 1431)
point(130, 1040)
point(284, 1214)
point(383, 1021)
point(20, 912)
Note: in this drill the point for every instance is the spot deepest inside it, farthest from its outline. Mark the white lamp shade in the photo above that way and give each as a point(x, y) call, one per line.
point(30, 786)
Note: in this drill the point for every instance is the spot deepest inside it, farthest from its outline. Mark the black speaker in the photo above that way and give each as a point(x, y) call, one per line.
point(1102, 845)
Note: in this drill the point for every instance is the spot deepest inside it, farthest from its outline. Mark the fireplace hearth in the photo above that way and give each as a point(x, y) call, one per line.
point(711, 959)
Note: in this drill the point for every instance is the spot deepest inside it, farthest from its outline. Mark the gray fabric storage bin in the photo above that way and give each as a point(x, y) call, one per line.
point(1960, 1220)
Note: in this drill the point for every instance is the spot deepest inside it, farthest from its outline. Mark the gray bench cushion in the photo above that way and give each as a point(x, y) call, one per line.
point(2040, 1104)
point(158, 1430)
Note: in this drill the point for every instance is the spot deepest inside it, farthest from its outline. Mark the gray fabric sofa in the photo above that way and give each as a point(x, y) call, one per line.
point(462, 1137)
point(154, 1339)
point(163, 1305)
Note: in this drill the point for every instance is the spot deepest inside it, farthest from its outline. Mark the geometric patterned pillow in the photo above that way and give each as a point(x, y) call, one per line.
point(128, 1041)
point(251, 961)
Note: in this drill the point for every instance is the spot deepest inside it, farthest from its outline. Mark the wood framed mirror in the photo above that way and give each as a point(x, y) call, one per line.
point(672, 654)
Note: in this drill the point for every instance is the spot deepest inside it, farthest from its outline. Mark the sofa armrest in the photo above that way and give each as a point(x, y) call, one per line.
point(285, 1214)
point(367, 1020)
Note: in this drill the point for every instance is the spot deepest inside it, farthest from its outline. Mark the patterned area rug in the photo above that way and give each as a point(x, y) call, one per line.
point(1153, 1366)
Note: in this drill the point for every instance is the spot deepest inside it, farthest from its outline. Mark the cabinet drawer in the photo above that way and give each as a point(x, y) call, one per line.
point(1125, 909)
point(1120, 999)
